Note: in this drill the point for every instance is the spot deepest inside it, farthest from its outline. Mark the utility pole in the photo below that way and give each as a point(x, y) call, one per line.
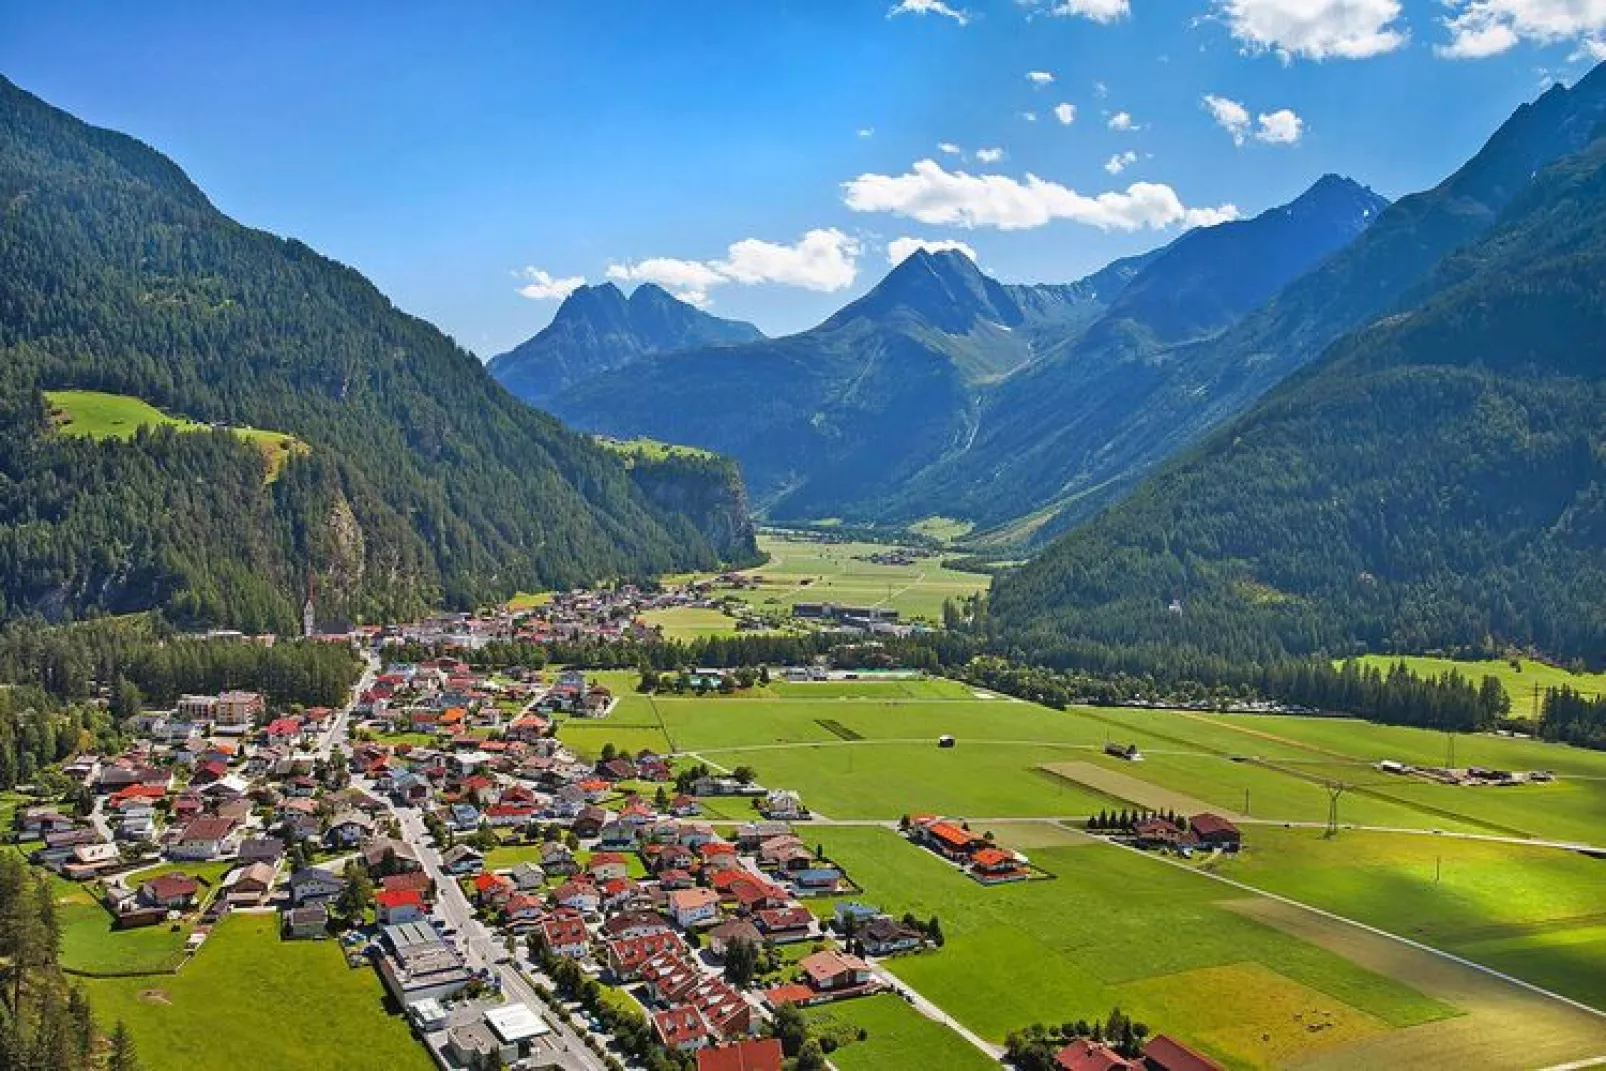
point(1335, 789)
point(1438, 865)
point(1246, 803)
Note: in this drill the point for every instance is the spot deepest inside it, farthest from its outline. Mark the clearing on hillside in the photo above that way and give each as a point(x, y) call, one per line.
point(99, 415)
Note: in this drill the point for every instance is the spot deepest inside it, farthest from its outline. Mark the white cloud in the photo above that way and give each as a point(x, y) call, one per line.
point(824, 259)
point(1320, 29)
point(1122, 121)
point(1040, 78)
point(901, 249)
point(688, 280)
point(1065, 113)
point(867, 132)
point(1030, 117)
point(949, 148)
point(929, 7)
point(1480, 28)
point(541, 286)
point(935, 196)
point(1229, 115)
point(1281, 127)
point(1097, 10)
point(1100, 90)
point(989, 156)
point(1120, 162)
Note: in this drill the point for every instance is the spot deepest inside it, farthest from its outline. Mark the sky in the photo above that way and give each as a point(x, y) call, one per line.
point(769, 159)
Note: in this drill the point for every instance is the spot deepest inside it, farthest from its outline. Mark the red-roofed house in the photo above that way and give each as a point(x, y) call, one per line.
point(683, 1029)
point(1166, 1053)
point(565, 934)
point(753, 1054)
point(1215, 831)
point(395, 906)
point(1087, 1055)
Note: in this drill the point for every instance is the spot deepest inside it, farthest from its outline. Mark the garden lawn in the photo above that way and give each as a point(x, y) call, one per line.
point(90, 945)
point(249, 999)
point(1536, 913)
point(897, 1037)
point(1116, 928)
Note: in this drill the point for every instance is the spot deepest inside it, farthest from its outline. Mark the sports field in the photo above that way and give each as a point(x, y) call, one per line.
point(98, 415)
point(249, 999)
point(802, 570)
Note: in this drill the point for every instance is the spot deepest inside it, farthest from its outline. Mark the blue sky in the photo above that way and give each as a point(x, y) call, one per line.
point(762, 156)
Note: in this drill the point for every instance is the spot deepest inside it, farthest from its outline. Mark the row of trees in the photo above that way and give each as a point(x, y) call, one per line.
point(1574, 718)
point(47, 1024)
point(1036, 1047)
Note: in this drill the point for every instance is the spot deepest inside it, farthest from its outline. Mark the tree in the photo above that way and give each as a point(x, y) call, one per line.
point(741, 963)
point(358, 895)
point(745, 775)
point(790, 1027)
point(121, 1056)
point(811, 1057)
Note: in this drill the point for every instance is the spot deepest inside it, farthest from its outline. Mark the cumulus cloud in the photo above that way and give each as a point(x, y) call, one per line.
point(1321, 29)
point(901, 249)
point(1122, 121)
point(867, 132)
point(688, 280)
point(1281, 127)
point(1480, 28)
point(541, 286)
point(929, 7)
point(935, 196)
point(948, 148)
point(1120, 162)
point(989, 156)
point(824, 259)
point(1030, 117)
point(1065, 113)
point(1040, 78)
point(1097, 10)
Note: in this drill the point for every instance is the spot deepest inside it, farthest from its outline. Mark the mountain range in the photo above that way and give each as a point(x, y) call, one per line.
point(421, 482)
point(943, 391)
point(1435, 480)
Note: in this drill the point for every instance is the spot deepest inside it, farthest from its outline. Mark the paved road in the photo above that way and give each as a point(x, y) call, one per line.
point(339, 731)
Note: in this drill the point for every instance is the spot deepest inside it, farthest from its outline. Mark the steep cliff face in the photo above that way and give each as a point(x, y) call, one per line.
point(707, 489)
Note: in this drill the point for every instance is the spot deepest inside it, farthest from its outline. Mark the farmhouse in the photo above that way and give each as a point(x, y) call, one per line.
point(1084, 1054)
point(172, 892)
point(1215, 831)
point(1165, 1053)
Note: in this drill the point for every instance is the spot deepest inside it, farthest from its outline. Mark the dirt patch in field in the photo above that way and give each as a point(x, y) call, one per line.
point(1505, 1025)
point(1134, 790)
point(154, 996)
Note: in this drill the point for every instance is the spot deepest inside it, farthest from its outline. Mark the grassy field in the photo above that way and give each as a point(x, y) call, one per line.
point(1519, 680)
point(650, 449)
point(897, 1036)
point(690, 622)
point(97, 415)
point(90, 944)
point(1119, 929)
point(943, 529)
point(809, 571)
point(529, 600)
point(1534, 912)
point(251, 1000)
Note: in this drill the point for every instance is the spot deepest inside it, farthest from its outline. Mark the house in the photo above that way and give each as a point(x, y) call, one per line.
point(1084, 1054)
point(463, 817)
point(462, 859)
point(634, 924)
point(693, 907)
point(1166, 1053)
point(348, 829)
point(34, 822)
point(607, 866)
point(492, 890)
point(750, 1054)
point(579, 895)
point(1215, 831)
point(782, 804)
point(414, 880)
point(784, 925)
point(589, 822)
point(565, 934)
point(625, 955)
point(558, 860)
point(682, 1029)
point(313, 885)
point(885, 937)
point(236, 710)
point(994, 866)
point(851, 915)
point(171, 892)
point(834, 970)
point(1159, 833)
point(948, 839)
point(527, 876)
point(261, 850)
point(389, 856)
point(203, 838)
point(395, 906)
point(301, 923)
point(727, 933)
point(249, 883)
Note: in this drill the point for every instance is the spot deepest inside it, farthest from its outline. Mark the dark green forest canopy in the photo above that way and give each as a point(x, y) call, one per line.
point(425, 482)
point(1437, 481)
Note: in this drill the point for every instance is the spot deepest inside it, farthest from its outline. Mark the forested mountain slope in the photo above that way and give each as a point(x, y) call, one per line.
point(597, 329)
point(423, 480)
point(1437, 480)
